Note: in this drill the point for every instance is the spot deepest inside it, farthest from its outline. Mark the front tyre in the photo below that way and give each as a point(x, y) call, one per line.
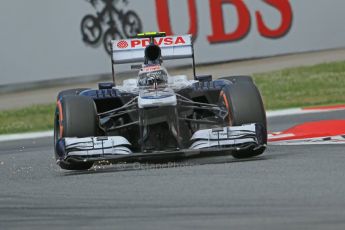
point(75, 117)
point(70, 92)
point(245, 106)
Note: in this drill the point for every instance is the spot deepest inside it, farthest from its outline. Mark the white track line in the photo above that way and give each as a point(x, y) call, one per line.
point(276, 113)
point(328, 140)
point(25, 136)
point(298, 111)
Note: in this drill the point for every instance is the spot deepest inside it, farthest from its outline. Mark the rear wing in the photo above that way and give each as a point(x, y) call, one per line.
point(132, 50)
point(129, 51)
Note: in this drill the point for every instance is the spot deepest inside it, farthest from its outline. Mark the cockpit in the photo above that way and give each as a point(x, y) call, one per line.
point(153, 76)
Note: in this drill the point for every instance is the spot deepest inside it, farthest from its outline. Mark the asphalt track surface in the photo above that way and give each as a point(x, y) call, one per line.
point(289, 187)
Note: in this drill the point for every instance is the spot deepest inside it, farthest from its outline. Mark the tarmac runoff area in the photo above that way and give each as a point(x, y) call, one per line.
point(48, 95)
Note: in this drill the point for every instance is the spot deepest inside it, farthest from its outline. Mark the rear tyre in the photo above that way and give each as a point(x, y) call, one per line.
point(245, 106)
point(75, 117)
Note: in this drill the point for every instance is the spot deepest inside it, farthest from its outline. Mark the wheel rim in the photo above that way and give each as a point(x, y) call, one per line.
point(226, 103)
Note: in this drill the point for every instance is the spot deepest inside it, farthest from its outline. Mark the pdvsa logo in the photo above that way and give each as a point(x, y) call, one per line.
point(116, 23)
point(122, 44)
point(142, 43)
point(167, 41)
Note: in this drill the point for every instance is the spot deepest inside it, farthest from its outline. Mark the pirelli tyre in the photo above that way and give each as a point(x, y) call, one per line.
point(244, 103)
point(75, 117)
point(70, 92)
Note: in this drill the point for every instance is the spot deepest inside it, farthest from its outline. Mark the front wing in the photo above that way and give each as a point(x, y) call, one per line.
point(207, 142)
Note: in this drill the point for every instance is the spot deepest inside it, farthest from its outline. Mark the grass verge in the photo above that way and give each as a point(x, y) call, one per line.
point(322, 84)
point(34, 118)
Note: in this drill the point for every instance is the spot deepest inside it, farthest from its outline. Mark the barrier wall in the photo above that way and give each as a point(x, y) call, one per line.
point(44, 39)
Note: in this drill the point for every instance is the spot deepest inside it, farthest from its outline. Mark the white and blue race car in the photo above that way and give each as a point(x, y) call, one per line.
point(155, 116)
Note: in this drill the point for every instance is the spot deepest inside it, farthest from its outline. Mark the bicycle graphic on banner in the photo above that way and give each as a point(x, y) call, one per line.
point(120, 24)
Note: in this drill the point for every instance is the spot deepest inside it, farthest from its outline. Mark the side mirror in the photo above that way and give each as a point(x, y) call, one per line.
point(106, 85)
point(204, 78)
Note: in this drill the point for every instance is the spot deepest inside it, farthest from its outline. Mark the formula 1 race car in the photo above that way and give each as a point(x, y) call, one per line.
point(157, 116)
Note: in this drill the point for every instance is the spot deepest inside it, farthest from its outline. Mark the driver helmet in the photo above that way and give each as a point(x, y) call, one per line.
point(153, 76)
